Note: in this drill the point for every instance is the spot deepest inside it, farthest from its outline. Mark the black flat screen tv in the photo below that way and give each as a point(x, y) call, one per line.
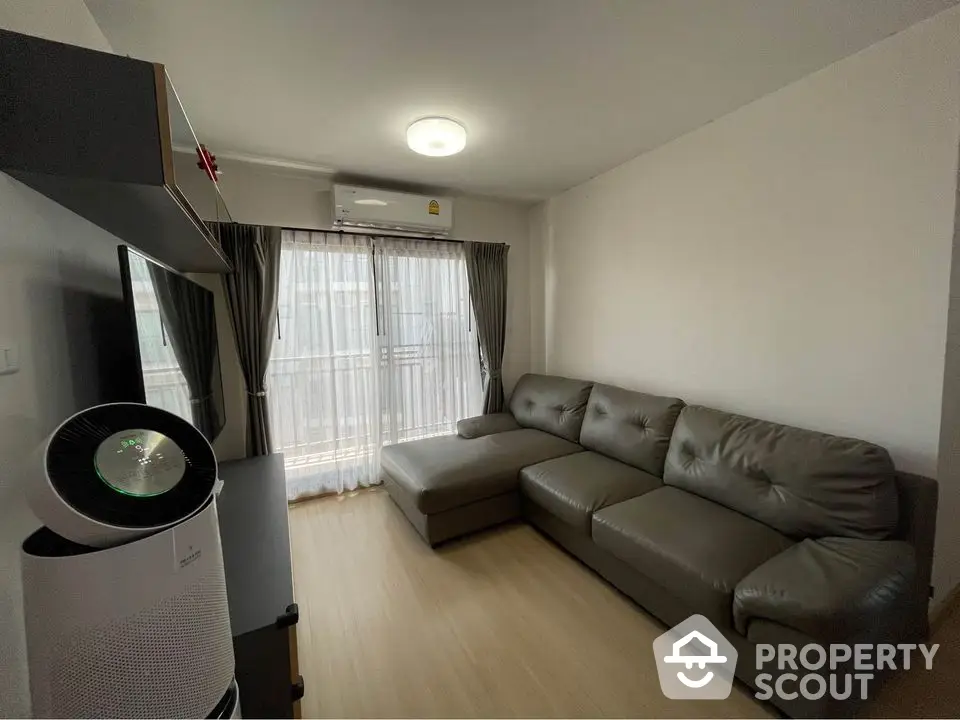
point(176, 339)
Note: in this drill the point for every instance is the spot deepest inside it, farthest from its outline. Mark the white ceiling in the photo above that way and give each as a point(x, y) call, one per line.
point(552, 92)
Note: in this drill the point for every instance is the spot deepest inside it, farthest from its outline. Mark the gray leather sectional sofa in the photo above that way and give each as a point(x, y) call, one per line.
point(776, 534)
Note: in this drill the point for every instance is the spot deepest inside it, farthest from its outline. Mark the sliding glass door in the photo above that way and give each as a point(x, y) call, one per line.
point(376, 345)
point(429, 361)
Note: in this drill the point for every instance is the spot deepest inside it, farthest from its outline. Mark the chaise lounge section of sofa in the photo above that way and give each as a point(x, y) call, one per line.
point(778, 535)
point(454, 485)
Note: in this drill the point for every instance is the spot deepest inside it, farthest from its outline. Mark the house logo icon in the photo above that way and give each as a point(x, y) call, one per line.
point(695, 661)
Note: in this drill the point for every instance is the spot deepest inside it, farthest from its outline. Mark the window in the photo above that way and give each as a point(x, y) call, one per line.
point(376, 345)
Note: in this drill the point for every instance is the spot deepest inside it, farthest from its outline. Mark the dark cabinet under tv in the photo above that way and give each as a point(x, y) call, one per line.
point(263, 614)
point(96, 132)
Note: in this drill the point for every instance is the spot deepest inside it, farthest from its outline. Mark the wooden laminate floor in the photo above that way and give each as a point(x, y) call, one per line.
point(500, 624)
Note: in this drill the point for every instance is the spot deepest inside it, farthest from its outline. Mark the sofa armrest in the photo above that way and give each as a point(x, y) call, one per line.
point(832, 589)
point(481, 425)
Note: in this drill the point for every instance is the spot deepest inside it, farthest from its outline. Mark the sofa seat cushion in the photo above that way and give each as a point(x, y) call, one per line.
point(695, 549)
point(831, 589)
point(449, 471)
point(573, 487)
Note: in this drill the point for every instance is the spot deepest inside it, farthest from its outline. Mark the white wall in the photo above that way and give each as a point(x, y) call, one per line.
point(262, 195)
point(539, 243)
point(790, 260)
point(53, 264)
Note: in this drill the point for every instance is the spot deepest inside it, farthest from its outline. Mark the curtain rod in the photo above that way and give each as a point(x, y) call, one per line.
point(378, 235)
point(364, 234)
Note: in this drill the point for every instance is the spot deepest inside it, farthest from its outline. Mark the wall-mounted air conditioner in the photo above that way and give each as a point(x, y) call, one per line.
point(360, 207)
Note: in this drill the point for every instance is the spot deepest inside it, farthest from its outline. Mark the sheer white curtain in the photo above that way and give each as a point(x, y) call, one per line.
point(376, 345)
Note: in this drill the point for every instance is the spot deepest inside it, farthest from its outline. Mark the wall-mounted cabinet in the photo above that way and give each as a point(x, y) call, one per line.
point(96, 132)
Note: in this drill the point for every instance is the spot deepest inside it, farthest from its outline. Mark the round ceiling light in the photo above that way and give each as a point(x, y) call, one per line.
point(436, 136)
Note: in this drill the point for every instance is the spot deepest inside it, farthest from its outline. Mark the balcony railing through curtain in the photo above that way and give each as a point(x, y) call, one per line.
point(376, 345)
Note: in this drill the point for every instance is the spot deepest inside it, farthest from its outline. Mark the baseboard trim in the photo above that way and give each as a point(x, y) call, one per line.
point(334, 495)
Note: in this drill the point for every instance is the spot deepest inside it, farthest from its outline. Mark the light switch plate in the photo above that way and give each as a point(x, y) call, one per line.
point(9, 358)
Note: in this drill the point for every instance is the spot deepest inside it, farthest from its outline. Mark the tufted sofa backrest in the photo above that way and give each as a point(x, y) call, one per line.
point(632, 427)
point(550, 403)
point(800, 482)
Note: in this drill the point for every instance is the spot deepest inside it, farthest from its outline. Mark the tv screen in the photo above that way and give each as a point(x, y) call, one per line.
point(176, 331)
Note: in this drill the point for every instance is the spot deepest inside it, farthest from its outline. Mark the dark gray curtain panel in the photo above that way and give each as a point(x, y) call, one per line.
point(251, 294)
point(487, 275)
point(189, 319)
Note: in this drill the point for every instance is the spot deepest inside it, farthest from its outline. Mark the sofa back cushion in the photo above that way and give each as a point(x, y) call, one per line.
point(633, 427)
point(800, 482)
point(550, 403)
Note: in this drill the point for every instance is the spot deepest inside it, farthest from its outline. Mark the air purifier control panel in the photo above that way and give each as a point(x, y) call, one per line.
point(140, 463)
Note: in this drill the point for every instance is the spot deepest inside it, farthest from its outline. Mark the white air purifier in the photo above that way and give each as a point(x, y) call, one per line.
point(116, 472)
point(124, 593)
